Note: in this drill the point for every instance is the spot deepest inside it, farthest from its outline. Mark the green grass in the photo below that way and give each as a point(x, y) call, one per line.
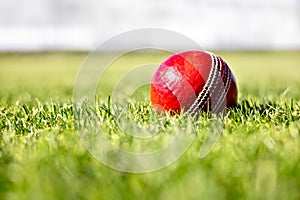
point(41, 156)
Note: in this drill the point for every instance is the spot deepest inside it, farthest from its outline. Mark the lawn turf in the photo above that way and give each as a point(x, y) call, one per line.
point(41, 156)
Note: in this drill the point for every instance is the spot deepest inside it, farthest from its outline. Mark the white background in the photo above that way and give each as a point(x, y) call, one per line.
point(214, 24)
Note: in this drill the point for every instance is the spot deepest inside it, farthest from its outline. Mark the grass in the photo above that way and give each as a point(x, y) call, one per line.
point(41, 156)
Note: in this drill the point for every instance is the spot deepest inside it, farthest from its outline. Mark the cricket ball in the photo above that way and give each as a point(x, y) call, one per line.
point(193, 81)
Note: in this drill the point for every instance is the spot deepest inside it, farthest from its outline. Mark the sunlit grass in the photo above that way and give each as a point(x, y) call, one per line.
point(41, 156)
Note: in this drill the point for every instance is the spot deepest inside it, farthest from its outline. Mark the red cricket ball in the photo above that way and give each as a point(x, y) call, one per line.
point(191, 81)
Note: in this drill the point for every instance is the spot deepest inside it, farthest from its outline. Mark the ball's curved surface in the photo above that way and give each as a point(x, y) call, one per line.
point(193, 81)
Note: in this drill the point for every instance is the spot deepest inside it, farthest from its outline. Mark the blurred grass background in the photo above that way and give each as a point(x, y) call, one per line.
point(52, 75)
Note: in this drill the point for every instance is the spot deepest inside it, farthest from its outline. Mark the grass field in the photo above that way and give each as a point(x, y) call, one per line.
point(41, 156)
